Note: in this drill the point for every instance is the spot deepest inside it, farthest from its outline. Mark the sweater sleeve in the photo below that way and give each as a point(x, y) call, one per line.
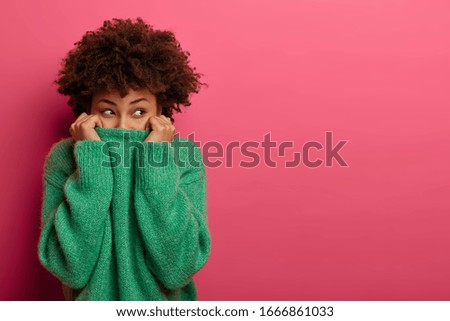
point(73, 212)
point(171, 213)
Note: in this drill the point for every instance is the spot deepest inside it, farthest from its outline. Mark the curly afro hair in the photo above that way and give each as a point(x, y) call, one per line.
point(123, 54)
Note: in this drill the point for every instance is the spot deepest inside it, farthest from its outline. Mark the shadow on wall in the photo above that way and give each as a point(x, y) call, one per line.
point(44, 286)
point(60, 123)
point(58, 128)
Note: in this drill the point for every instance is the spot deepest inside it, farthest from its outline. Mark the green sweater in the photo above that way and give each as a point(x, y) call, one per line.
point(116, 226)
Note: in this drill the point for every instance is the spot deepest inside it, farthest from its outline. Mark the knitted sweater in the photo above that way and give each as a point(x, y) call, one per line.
point(116, 225)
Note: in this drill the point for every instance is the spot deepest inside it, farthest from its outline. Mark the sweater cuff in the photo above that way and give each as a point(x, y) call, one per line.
point(158, 171)
point(93, 163)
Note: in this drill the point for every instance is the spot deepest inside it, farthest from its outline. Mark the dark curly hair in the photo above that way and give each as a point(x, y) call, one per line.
point(123, 54)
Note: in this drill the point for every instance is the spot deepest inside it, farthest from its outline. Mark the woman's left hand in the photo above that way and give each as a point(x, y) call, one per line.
point(162, 129)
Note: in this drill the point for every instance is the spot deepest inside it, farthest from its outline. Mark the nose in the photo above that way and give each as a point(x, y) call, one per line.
point(121, 123)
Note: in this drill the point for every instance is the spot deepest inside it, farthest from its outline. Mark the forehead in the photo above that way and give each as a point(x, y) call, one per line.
point(132, 94)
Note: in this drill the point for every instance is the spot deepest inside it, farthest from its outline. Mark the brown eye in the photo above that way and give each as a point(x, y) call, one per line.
point(142, 112)
point(106, 110)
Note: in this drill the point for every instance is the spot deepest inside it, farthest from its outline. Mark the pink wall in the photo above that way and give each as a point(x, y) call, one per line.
point(375, 73)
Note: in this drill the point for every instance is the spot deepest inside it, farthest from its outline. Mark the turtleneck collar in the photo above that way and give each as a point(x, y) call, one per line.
point(119, 134)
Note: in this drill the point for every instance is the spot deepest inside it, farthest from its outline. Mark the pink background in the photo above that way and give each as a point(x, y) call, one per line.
point(375, 73)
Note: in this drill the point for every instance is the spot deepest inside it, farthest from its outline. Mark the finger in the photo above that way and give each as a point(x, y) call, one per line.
point(97, 121)
point(81, 117)
point(78, 123)
point(148, 124)
point(91, 121)
point(83, 120)
point(160, 124)
point(166, 127)
point(168, 123)
point(166, 119)
point(155, 122)
point(74, 125)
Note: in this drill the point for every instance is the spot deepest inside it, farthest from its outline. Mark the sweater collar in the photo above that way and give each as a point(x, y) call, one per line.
point(119, 134)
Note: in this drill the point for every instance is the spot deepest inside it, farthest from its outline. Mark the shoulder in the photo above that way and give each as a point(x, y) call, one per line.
point(187, 149)
point(63, 146)
point(59, 162)
point(189, 157)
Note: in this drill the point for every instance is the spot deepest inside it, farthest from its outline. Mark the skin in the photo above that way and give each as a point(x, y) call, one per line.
point(109, 110)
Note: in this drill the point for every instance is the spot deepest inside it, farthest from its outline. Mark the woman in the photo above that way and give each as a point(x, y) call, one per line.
point(122, 223)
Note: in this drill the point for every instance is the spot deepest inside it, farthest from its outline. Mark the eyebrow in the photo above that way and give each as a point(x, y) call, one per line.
point(112, 103)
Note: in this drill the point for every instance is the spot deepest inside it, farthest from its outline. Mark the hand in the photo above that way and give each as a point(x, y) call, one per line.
point(162, 129)
point(83, 127)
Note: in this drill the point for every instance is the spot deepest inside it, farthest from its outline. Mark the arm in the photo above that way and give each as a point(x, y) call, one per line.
point(74, 210)
point(171, 214)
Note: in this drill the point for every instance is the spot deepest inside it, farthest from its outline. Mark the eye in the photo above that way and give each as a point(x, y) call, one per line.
point(142, 112)
point(105, 111)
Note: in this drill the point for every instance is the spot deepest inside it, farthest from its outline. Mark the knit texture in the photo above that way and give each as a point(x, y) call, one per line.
point(124, 219)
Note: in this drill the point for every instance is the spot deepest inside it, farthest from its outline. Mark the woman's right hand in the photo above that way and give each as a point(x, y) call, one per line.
point(83, 127)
